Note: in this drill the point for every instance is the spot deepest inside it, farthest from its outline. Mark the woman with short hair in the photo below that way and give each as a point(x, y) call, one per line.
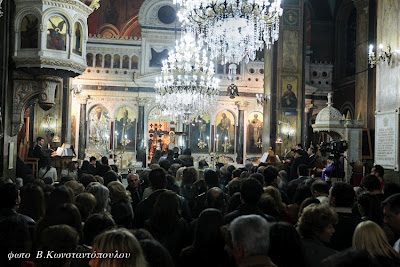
point(316, 228)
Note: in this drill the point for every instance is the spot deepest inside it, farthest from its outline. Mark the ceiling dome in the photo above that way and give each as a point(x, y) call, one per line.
point(329, 115)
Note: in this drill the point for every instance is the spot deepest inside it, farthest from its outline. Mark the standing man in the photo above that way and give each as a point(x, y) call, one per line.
point(39, 153)
point(378, 171)
point(134, 188)
point(92, 166)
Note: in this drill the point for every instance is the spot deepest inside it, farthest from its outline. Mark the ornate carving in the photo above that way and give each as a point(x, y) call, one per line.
point(25, 90)
point(28, 62)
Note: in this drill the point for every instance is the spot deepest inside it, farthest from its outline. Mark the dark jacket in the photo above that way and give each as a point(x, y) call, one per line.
point(122, 214)
point(344, 230)
point(315, 252)
point(40, 154)
point(144, 209)
point(247, 209)
point(187, 161)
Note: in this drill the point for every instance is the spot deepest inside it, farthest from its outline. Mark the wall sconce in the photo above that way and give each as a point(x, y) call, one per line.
point(262, 99)
point(383, 55)
point(288, 130)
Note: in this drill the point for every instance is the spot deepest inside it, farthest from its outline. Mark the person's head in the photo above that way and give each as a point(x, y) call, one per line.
point(307, 202)
point(259, 177)
point(165, 164)
point(32, 201)
point(311, 151)
point(100, 192)
point(215, 198)
point(302, 192)
point(190, 175)
point(67, 214)
point(57, 239)
point(211, 178)
point(316, 222)
point(369, 236)
point(71, 166)
point(104, 160)
point(133, 180)
point(371, 183)
point(223, 115)
point(40, 140)
point(234, 186)
point(378, 171)
point(48, 162)
point(248, 166)
point(251, 191)
point(276, 195)
point(283, 238)
point(302, 170)
point(270, 175)
point(75, 186)
point(118, 192)
point(96, 224)
point(391, 212)
point(92, 160)
point(124, 242)
point(299, 147)
point(157, 179)
point(320, 188)
point(207, 233)
point(267, 205)
point(341, 195)
point(85, 202)
point(165, 211)
point(109, 177)
point(9, 196)
point(155, 253)
point(187, 152)
point(59, 196)
point(250, 237)
point(390, 188)
point(289, 87)
point(203, 164)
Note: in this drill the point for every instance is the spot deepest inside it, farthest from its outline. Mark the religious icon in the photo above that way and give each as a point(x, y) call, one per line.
point(200, 131)
point(107, 61)
point(225, 137)
point(29, 32)
point(56, 33)
point(125, 127)
point(99, 128)
point(254, 132)
point(77, 44)
point(289, 99)
point(125, 62)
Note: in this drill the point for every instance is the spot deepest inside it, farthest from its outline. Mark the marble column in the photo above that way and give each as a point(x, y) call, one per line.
point(140, 142)
point(362, 101)
point(65, 132)
point(266, 134)
point(82, 131)
point(240, 135)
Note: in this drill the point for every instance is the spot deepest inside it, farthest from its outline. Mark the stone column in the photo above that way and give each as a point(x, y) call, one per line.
point(65, 132)
point(140, 142)
point(266, 134)
point(240, 135)
point(82, 130)
point(362, 102)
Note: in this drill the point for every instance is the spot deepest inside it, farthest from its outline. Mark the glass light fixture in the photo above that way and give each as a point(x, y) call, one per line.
point(187, 84)
point(232, 29)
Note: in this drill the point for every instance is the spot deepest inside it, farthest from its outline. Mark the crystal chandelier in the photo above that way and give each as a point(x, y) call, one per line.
point(232, 29)
point(186, 85)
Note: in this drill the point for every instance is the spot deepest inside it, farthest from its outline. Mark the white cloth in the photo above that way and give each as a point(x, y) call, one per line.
point(52, 173)
point(66, 173)
point(397, 246)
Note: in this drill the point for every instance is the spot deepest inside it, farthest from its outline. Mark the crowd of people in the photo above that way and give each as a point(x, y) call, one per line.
point(173, 214)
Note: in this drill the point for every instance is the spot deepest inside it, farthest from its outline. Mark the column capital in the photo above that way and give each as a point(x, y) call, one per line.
point(142, 101)
point(361, 5)
point(242, 105)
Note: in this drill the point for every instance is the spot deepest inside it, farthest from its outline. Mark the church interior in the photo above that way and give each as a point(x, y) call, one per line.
point(235, 133)
point(83, 75)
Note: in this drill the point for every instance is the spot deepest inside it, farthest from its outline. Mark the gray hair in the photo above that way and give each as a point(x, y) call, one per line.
point(252, 233)
point(100, 192)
